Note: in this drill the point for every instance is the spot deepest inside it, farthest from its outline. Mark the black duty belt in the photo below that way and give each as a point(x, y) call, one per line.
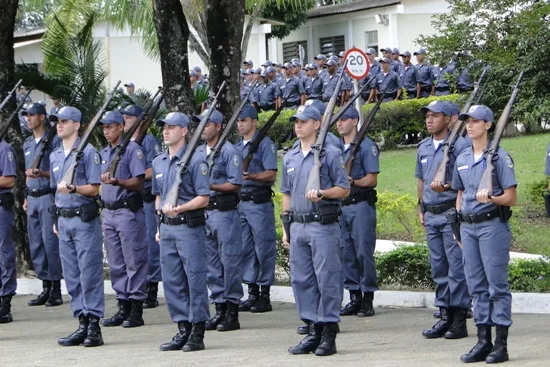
point(192, 219)
point(36, 193)
point(7, 200)
point(174, 221)
point(358, 197)
point(464, 90)
point(68, 213)
point(133, 203)
point(223, 202)
point(258, 196)
point(441, 208)
point(268, 107)
point(305, 217)
point(442, 89)
point(478, 218)
point(291, 104)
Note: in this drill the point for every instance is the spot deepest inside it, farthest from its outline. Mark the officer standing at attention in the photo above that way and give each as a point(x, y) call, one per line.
point(56, 105)
point(314, 234)
point(124, 227)
point(330, 83)
point(223, 234)
point(257, 215)
point(410, 77)
point(375, 69)
point(182, 236)
point(291, 89)
point(486, 236)
point(435, 200)
point(359, 219)
point(387, 81)
point(396, 64)
point(150, 147)
point(314, 84)
point(298, 73)
point(425, 71)
point(321, 61)
point(248, 64)
point(43, 243)
point(79, 229)
point(8, 275)
point(265, 92)
point(440, 76)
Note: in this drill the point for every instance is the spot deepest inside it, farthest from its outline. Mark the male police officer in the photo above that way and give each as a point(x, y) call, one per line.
point(124, 223)
point(410, 77)
point(44, 245)
point(266, 92)
point(425, 71)
point(359, 219)
point(375, 69)
point(8, 275)
point(396, 65)
point(223, 234)
point(130, 91)
point(182, 236)
point(257, 215)
point(314, 234)
point(330, 82)
point(387, 82)
point(314, 84)
point(441, 82)
point(436, 199)
point(150, 148)
point(291, 89)
point(79, 229)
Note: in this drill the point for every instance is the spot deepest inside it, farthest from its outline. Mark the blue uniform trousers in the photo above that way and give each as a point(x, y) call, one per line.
point(8, 275)
point(153, 273)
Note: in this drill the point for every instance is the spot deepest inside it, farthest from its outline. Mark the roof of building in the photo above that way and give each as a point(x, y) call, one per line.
point(325, 11)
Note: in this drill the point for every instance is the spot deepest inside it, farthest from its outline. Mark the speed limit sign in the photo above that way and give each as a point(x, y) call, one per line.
point(358, 65)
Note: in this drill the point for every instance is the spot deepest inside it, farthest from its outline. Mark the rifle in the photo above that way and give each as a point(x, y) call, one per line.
point(78, 152)
point(356, 142)
point(183, 164)
point(475, 97)
point(4, 128)
point(314, 179)
point(226, 131)
point(492, 153)
point(349, 103)
point(150, 111)
point(143, 131)
point(5, 101)
point(52, 131)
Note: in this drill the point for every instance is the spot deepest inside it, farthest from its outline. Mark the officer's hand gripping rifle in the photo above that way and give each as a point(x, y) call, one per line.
point(314, 179)
point(492, 153)
point(183, 164)
point(78, 152)
point(226, 131)
point(6, 100)
point(4, 128)
point(148, 112)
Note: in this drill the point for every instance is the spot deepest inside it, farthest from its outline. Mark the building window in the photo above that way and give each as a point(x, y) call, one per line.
point(371, 40)
point(292, 50)
point(332, 45)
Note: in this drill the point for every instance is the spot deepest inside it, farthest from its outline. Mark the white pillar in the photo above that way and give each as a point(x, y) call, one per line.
point(394, 36)
point(262, 51)
point(310, 49)
point(274, 49)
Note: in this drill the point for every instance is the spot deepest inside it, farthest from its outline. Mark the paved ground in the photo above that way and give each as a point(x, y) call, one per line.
point(391, 338)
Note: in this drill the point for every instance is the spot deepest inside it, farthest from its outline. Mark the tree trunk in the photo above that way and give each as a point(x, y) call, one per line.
point(14, 137)
point(173, 35)
point(225, 21)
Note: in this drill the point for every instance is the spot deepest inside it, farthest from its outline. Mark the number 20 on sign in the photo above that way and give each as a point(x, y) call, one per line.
point(358, 65)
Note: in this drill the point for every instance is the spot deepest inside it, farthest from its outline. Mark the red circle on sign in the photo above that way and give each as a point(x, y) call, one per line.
point(364, 55)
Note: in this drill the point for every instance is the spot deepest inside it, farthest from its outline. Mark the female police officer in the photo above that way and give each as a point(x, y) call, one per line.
point(486, 235)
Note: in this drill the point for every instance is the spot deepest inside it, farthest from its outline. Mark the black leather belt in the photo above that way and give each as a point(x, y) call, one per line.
point(442, 89)
point(478, 218)
point(116, 205)
point(441, 208)
point(68, 213)
point(268, 107)
point(360, 196)
point(291, 104)
point(133, 203)
point(305, 217)
point(223, 202)
point(36, 193)
point(258, 196)
point(173, 221)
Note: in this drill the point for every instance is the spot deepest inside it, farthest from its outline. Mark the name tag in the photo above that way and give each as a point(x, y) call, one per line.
point(55, 169)
point(290, 170)
point(159, 175)
point(462, 168)
point(28, 153)
point(425, 160)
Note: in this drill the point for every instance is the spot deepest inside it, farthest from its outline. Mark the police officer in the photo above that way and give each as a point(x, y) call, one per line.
point(359, 219)
point(130, 91)
point(79, 230)
point(387, 81)
point(464, 82)
point(257, 215)
point(396, 65)
point(314, 233)
point(278, 72)
point(330, 83)
point(314, 84)
point(21, 93)
point(410, 77)
point(266, 92)
point(436, 200)
point(223, 237)
point(291, 89)
point(44, 245)
point(56, 105)
point(248, 64)
point(375, 69)
point(182, 236)
point(425, 71)
point(299, 73)
point(8, 275)
point(124, 227)
point(150, 147)
point(321, 61)
point(441, 79)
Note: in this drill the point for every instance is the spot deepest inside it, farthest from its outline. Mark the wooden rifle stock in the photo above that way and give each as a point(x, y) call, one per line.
point(77, 153)
point(491, 153)
point(145, 126)
point(314, 179)
point(350, 102)
point(474, 98)
point(6, 100)
point(183, 164)
point(4, 128)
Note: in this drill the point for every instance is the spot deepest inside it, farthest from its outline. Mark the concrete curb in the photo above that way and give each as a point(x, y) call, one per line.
point(537, 303)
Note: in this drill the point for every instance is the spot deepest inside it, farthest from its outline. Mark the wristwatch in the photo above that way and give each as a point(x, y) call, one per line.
point(320, 193)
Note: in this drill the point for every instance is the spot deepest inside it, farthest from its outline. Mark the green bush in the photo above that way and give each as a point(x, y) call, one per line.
point(283, 253)
point(534, 193)
point(397, 212)
point(405, 267)
point(529, 275)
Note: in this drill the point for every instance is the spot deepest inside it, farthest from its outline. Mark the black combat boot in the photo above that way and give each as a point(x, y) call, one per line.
point(152, 292)
point(196, 339)
point(481, 350)
point(231, 320)
point(367, 308)
point(469, 314)
point(42, 297)
point(458, 329)
point(221, 309)
point(135, 318)
point(441, 327)
point(77, 336)
point(55, 298)
point(328, 340)
point(179, 340)
point(5, 310)
point(310, 342)
point(303, 330)
point(121, 315)
point(354, 305)
point(94, 338)
point(253, 296)
point(264, 303)
point(499, 353)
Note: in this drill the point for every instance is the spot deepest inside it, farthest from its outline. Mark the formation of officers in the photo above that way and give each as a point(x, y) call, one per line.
point(221, 231)
point(292, 83)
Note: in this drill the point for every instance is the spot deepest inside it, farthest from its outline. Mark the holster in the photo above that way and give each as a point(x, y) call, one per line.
point(135, 203)
point(287, 220)
point(505, 213)
point(7, 201)
point(147, 196)
point(454, 220)
point(223, 202)
point(195, 218)
point(546, 196)
point(53, 212)
point(89, 212)
point(328, 214)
